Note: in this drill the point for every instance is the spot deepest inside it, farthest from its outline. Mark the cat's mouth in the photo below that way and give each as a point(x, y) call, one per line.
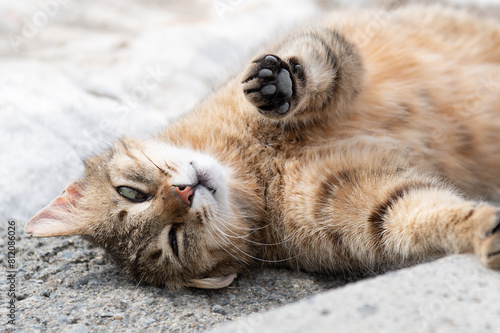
point(204, 179)
point(203, 182)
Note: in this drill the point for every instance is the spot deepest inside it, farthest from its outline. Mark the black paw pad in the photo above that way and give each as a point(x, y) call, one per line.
point(264, 72)
point(271, 59)
point(269, 84)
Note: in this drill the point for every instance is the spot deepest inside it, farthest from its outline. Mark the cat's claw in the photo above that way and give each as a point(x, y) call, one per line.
point(269, 84)
point(490, 245)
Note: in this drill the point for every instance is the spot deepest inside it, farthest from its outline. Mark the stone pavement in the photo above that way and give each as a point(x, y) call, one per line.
point(454, 294)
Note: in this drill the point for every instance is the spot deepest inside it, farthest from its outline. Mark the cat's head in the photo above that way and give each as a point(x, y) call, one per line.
point(166, 215)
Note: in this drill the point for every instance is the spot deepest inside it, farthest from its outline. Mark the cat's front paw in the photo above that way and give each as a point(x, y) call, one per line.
point(269, 83)
point(489, 250)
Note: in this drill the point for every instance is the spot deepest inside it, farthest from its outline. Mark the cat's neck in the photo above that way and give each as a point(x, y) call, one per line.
point(225, 127)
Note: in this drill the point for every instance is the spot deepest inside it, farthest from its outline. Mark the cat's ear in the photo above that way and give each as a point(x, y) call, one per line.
point(212, 283)
point(59, 217)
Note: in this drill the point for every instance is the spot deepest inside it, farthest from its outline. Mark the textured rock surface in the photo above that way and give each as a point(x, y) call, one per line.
point(454, 294)
point(75, 76)
point(62, 283)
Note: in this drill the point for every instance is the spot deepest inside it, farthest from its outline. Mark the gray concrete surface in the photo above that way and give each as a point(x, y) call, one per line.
point(454, 294)
point(75, 75)
point(65, 284)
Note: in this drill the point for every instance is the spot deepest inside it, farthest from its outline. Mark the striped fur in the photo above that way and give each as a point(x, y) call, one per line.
point(362, 153)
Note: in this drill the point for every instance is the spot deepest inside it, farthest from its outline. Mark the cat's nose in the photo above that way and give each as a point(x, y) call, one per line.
point(186, 193)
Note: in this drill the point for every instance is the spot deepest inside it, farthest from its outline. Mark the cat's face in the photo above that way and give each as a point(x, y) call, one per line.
point(164, 214)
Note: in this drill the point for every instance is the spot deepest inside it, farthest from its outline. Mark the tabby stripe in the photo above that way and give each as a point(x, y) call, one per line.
point(205, 214)
point(171, 168)
point(335, 181)
point(137, 260)
point(250, 91)
point(493, 254)
point(469, 214)
point(497, 227)
point(122, 215)
point(330, 187)
point(128, 152)
point(378, 215)
point(139, 178)
point(457, 218)
point(199, 218)
point(328, 50)
point(330, 55)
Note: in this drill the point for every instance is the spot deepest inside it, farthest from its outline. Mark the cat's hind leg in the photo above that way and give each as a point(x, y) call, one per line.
point(310, 76)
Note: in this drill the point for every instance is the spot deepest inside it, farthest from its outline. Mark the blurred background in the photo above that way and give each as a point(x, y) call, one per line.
point(75, 75)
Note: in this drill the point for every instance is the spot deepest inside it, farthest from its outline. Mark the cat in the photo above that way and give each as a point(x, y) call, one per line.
point(335, 151)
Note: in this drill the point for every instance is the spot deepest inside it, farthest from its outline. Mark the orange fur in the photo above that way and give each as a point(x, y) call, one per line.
point(356, 144)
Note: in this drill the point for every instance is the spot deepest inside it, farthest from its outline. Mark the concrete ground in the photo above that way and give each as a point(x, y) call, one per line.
point(75, 75)
point(454, 294)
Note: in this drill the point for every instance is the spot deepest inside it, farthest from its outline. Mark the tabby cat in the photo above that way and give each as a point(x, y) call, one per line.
point(347, 147)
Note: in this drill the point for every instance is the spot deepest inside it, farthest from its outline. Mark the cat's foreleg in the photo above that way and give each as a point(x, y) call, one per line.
point(417, 224)
point(310, 76)
point(383, 218)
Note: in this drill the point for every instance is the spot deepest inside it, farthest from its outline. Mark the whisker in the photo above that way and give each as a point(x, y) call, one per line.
point(140, 280)
point(241, 227)
point(227, 219)
point(233, 215)
point(163, 171)
point(225, 250)
point(244, 236)
point(249, 255)
point(235, 235)
point(225, 224)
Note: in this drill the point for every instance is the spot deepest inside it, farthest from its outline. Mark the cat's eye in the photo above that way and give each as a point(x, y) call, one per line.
point(132, 194)
point(172, 239)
